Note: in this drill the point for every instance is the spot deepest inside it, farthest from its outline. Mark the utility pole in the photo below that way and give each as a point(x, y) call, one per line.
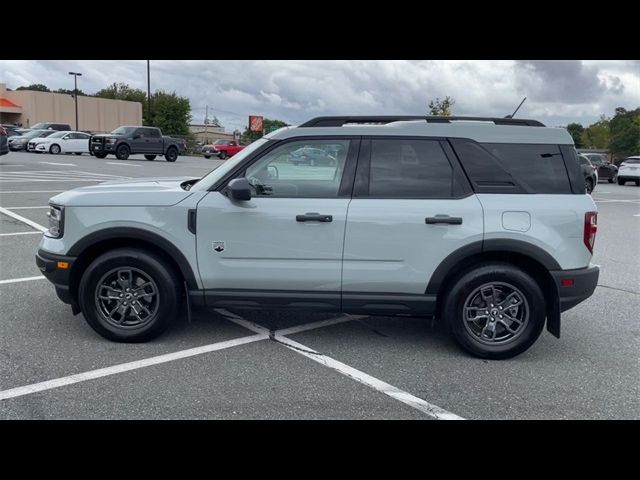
point(206, 122)
point(149, 94)
point(75, 92)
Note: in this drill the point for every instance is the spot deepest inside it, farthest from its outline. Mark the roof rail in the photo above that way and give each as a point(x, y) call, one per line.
point(340, 121)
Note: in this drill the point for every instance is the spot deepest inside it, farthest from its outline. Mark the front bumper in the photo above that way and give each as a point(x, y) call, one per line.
point(15, 147)
point(49, 265)
point(584, 283)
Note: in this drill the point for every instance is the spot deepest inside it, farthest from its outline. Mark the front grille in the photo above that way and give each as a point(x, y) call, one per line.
point(97, 140)
point(32, 145)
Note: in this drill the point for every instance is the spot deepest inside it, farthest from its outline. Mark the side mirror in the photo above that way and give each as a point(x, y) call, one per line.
point(240, 189)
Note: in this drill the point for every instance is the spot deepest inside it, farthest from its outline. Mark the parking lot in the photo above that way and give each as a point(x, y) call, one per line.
point(235, 364)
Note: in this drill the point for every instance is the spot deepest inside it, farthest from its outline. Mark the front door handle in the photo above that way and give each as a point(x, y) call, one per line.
point(443, 219)
point(314, 217)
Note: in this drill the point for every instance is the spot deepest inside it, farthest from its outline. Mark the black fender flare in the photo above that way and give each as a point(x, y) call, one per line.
point(159, 242)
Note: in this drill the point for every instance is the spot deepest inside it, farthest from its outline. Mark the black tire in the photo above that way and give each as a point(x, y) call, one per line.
point(611, 180)
point(54, 149)
point(207, 156)
point(223, 155)
point(150, 157)
point(123, 152)
point(163, 307)
point(171, 155)
point(100, 155)
point(77, 153)
point(621, 181)
point(588, 185)
point(500, 275)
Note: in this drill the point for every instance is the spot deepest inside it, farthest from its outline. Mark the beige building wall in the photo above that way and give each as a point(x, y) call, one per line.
point(94, 114)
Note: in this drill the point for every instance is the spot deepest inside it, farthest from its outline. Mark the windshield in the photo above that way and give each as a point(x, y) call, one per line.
point(40, 125)
point(124, 130)
point(632, 160)
point(58, 135)
point(213, 176)
point(221, 142)
point(35, 133)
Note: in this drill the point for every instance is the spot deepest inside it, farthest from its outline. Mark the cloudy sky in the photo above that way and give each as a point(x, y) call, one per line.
point(558, 92)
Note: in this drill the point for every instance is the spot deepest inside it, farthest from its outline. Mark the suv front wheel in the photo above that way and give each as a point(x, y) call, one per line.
point(495, 310)
point(129, 295)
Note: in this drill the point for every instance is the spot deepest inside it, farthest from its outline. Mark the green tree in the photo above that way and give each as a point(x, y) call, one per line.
point(576, 130)
point(70, 92)
point(441, 107)
point(596, 135)
point(171, 113)
point(624, 139)
point(122, 91)
point(38, 87)
point(268, 124)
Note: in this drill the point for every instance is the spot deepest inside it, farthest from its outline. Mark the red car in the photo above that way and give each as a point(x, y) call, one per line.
point(222, 148)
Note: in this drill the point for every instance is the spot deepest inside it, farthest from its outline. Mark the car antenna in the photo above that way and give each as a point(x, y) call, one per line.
point(513, 114)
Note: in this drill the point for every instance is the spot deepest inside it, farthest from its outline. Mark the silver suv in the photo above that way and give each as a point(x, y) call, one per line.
point(482, 223)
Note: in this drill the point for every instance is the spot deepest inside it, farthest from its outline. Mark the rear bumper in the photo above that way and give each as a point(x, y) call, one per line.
point(585, 281)
point(60, 277)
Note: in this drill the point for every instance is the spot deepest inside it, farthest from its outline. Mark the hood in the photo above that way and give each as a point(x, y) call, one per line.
point(107, 135)
point(139, 192)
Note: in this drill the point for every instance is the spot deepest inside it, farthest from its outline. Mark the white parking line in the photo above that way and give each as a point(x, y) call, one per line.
point(126, 367)
point(125, 164)
point(63, 164)
point(27, 208)
point(31, 223)
point(19, 233)
point(31, 191)
point(355, 374)
point(24, 279)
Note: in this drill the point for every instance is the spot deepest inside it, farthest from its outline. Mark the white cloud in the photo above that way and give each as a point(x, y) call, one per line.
point(558, 92)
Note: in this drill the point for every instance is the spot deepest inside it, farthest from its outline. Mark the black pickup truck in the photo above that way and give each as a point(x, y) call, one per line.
point(125, 141)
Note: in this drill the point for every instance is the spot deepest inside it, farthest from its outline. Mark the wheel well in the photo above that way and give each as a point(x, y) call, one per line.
point(95, 250)
point(534, 268)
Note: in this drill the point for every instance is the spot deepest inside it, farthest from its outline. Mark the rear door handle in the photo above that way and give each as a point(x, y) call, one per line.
point(443, 219)
point(314, 217)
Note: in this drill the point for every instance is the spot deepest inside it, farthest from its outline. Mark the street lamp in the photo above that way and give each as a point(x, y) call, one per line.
point(75, 92)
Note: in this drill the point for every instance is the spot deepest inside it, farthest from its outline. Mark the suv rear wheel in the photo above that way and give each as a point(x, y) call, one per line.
point(495, 310)
point(129, 295)
point(171, 155)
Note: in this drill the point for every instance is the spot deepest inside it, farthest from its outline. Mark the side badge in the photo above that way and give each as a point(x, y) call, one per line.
point(218, 246)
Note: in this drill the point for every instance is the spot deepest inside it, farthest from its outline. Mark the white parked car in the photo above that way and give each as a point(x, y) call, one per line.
point(629, 171)
point(61, 142)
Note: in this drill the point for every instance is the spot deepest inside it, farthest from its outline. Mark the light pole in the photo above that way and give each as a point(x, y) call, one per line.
point(75, 92)
point(149, 94)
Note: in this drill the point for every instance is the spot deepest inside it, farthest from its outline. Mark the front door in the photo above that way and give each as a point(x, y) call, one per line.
point(284, 246)
point(411, 208)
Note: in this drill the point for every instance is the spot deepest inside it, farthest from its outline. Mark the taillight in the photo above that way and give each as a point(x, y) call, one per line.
point(590, 229)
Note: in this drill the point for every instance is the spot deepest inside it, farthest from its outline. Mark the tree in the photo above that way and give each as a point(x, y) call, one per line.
point(596, 135)
point(70, 92)
point(122, 91)
point(269, 125)
point(624, 139)
point(441, 107)
point(38, 87)
point(171, 113)
point(576, 130)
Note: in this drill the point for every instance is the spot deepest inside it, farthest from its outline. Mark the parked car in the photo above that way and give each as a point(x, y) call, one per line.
point(51, 126)
point(222, 148)
point(419, 217)
point(4, 143)
point(590, 173)
point(606, 170)
point(61, 142)
point(12, 130)
point(20, 142)
point(129, 140)
point(311, 156)
point(629, 171)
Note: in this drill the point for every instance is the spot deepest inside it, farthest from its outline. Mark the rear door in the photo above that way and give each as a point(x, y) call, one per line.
point(154, 141)
point(412, 207)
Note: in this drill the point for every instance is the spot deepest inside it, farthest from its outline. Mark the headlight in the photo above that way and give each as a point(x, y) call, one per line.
point(111, 140)
point(56, 222)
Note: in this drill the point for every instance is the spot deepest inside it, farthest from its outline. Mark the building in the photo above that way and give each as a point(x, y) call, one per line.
point(209, 132)
point(28, 107)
